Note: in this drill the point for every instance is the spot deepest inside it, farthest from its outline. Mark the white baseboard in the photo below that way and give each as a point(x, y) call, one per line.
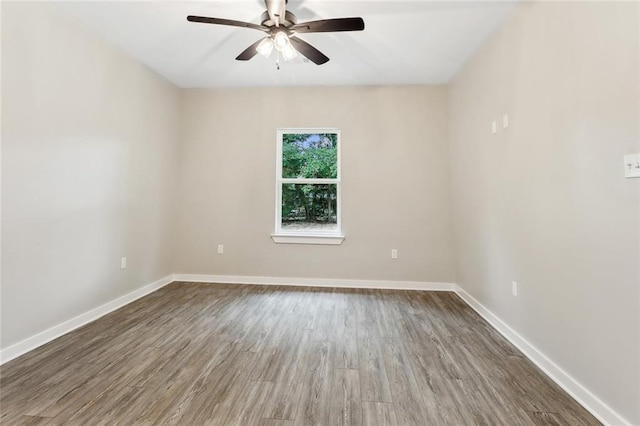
point(54, 332)
point(317, 282)
point(582, 395)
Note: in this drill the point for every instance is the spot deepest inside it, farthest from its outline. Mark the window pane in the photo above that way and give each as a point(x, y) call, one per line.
point(310, 155)
point(309, 207)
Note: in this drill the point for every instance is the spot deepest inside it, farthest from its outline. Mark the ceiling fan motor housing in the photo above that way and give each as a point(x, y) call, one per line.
point(288, 21)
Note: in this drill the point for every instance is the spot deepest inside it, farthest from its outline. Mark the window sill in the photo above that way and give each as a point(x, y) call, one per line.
point(307, 239)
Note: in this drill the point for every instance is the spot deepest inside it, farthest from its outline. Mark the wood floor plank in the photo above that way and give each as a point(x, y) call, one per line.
point(202, 401)
point(346, 340)
point(548, 419)
point(407, 401)
point(313, 405)
point(113, 406)
point(487, 406)
point(194, 353)
point(245, 408)
point(283, 402)
point(378, 414)
point(373, 374)
point(274, 422)
point(444, 401)
point(33, 421)
point(46, 398)
point(346, 404)
point(115, 375)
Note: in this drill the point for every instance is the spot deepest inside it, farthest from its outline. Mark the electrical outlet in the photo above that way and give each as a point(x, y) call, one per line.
point(123, 263)
point(505, 121)
point(632, 165)
point(494, 127)
point(514, 288)
point(394, 253)
point(220, 248)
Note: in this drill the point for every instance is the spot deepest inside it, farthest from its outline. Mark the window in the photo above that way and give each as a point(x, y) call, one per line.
point(308, 187)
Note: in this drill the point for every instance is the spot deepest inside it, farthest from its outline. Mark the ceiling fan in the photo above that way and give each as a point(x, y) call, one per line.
point(281, 28)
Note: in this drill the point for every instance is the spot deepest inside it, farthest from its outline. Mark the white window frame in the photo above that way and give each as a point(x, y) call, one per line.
point(319, 236)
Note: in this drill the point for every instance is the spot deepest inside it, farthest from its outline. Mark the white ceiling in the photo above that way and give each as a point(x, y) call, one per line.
point(404, 42)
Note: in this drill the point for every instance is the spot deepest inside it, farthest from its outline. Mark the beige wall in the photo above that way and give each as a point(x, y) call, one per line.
point(88, 144)
point(545, 202)
point(394, 175)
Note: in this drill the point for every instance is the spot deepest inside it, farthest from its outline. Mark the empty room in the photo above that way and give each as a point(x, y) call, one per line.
point(320, 212)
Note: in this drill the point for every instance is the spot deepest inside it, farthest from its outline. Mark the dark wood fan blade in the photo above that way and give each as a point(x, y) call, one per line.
point(329, 25)
point(305, 49)
point(249, 52)
point(229, 22)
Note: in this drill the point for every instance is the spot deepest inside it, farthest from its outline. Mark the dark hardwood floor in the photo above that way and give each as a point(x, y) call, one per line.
point(262, 355)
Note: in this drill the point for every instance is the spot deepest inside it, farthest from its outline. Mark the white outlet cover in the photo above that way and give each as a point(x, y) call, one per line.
point(632, 165)
point(514, 288)
point(494, 127)
point(505, 121)
point(123, 263)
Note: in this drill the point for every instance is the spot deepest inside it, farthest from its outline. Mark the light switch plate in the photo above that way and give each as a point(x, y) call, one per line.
point(494, 127)
point(632, 165)
point(505, 121)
